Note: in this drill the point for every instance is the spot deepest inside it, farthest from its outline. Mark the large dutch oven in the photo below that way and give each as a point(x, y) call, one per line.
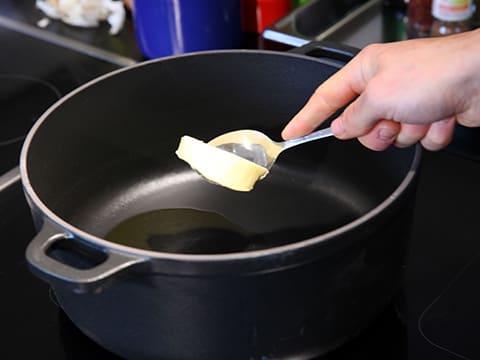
point(293, 269)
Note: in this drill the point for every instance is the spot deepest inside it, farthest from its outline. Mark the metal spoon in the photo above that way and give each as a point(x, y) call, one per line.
point(258, 147)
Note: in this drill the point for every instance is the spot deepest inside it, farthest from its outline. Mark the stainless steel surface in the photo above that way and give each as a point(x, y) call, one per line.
point(358, 26)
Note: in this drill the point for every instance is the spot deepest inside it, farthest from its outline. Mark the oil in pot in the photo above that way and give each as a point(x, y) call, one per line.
point(182, 230)
point(194, 231)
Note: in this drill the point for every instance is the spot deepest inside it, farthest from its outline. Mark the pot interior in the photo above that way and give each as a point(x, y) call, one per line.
point(106, 156)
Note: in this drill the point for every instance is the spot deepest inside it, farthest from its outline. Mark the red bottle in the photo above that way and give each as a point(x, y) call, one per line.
point(257, 15)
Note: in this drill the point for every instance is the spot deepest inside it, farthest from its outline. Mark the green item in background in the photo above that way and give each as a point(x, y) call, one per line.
point(297, 3)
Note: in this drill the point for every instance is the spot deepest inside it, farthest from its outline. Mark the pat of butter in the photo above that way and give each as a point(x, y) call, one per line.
point(220, 166)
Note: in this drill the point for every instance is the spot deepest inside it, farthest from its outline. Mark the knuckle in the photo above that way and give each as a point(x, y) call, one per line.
point(371, 49)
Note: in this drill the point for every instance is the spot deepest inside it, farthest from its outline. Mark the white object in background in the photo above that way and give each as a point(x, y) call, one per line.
point(86, 13)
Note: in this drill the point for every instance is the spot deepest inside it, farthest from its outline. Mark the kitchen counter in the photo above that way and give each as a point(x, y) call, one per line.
point(438, 316)
point(23, 16)
point(122, 49)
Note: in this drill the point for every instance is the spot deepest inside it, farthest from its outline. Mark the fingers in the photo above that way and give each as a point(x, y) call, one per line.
point(358, 119)
point(381, 136)
point(386, 133)
point(381, 106)
point(336, 92)
point(411, 134)
point(439, 134)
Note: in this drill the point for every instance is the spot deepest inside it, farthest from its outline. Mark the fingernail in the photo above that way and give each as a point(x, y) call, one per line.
point(386, 134)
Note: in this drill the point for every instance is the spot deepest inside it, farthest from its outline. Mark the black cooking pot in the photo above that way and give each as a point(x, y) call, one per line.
point(294, 268)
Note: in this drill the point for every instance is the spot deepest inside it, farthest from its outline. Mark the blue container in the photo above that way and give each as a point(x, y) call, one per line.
point(167, 27)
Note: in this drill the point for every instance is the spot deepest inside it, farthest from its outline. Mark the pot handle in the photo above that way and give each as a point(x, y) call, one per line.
point(80, 280)
point(336, 52)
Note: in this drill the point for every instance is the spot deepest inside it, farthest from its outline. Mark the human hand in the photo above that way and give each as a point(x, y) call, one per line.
point(400, 93)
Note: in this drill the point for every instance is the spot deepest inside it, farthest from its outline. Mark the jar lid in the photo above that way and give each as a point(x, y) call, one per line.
point(452, 10)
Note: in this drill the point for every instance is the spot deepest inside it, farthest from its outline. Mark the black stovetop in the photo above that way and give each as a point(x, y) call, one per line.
point(440, 315)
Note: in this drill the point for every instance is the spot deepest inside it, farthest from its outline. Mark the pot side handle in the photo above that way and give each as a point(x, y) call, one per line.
point(336, 52)
point(79, 280)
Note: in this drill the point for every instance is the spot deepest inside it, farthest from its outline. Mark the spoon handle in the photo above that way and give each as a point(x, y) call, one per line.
point(310, 137)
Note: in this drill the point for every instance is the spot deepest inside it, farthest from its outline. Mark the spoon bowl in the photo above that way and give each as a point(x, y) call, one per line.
point(257, 147)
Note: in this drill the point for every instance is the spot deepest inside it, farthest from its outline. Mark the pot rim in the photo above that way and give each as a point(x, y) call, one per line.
point(74, 232)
